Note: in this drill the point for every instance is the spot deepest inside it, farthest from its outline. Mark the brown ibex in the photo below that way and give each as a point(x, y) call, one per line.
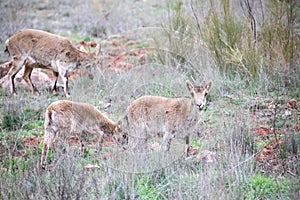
point(39, 49)
point(66, 119)
point(168, 115)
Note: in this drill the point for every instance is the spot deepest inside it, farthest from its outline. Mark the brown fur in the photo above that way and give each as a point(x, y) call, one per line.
point(4, 68)
point(39, 49)
point(66, 119)
point(168, 115)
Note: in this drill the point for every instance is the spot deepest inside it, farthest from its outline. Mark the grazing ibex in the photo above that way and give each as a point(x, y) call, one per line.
point(168, 115)
point(67, 119)
point(39, 49)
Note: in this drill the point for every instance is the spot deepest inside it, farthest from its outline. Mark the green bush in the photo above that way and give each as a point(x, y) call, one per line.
point(242, 48)
point(261, 186)
point(147, 188)
point(16, 114)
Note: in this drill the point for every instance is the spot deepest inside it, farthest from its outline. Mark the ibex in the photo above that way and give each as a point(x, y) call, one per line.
point(172, 116)
point(39, 49)
point(66, 119)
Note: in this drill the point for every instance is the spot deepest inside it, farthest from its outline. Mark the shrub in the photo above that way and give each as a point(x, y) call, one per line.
point(262, 41)
point(261, 186)
point(17, 115)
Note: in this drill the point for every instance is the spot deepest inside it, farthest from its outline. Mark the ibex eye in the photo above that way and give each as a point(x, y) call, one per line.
point(205, 94)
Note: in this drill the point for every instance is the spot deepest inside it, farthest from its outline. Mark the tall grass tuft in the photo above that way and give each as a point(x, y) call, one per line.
point(175, 40)
point(262, 40)
point(243, 39)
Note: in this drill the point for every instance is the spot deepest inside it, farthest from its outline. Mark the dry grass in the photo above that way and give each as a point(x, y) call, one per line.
point(226, 129)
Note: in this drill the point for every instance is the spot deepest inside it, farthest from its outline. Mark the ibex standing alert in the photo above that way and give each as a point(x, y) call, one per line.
point(173, 116)
point(39, 49)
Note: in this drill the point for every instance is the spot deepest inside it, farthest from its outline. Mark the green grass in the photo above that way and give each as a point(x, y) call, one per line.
point(148, 188)
point(261, 186)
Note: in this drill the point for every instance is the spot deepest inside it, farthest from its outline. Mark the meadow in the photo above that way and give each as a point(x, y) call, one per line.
point(245, 146)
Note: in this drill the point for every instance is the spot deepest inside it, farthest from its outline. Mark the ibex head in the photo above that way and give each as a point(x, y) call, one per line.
point(199, 93)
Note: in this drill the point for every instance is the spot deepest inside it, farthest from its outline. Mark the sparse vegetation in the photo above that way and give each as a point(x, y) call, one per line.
point(263, 186)
point(250, 128)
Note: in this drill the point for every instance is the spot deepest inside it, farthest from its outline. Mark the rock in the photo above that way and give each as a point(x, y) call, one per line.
point(293, 104)
point(206, 157)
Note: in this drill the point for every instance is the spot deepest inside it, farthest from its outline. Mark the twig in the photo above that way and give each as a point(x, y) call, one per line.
point(196, 17)
point(251, 16)
point(243, 161)
point(291, 173)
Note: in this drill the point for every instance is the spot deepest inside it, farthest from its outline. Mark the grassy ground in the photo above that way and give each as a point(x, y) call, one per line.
point(246, 145)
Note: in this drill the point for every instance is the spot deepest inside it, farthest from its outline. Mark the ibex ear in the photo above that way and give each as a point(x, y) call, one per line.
point(208, 86)
point(189, 85)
